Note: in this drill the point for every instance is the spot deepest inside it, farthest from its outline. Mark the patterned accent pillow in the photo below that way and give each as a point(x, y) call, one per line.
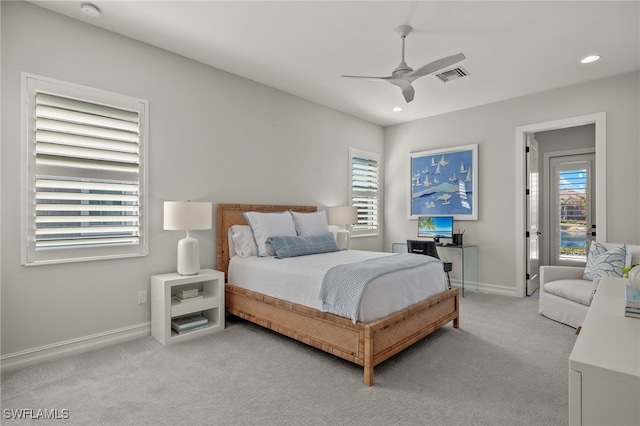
point(302, 246)
point(604, 262)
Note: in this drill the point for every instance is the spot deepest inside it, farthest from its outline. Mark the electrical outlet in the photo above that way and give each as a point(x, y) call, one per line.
point(142, 297)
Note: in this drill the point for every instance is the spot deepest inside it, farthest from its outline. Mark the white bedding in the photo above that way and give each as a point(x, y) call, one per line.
point(298, 280)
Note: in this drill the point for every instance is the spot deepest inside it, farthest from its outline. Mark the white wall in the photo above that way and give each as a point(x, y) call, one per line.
point(493, 128)
point(213, 137)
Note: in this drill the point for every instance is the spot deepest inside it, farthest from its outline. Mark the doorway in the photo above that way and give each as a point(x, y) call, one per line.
point(522, 212)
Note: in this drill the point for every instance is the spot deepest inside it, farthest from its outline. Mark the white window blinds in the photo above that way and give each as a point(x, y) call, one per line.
point(85, 180)
point(365, 191)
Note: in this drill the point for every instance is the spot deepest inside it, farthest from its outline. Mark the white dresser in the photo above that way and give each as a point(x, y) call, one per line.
point(604, 366)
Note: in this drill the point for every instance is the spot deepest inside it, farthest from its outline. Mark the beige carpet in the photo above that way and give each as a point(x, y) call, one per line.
point(506, 365)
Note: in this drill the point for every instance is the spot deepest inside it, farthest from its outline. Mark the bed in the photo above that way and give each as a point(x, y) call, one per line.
point(363, 343)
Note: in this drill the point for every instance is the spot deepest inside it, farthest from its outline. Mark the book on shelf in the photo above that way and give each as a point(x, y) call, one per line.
point(632, 297)
point(187, 321)
point(187, 293)
point(631, 314)
point(635, 311)
point(190, 329)
point(191, 299)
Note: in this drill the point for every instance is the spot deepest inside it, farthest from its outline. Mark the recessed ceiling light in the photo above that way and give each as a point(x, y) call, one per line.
point(90, 10)
point(397, 109)
point(589, 59)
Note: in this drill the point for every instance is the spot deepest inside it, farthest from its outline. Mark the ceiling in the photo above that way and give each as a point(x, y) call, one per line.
point(512, 48)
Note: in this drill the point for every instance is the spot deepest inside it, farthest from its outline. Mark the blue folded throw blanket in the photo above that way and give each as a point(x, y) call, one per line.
point(343, 285)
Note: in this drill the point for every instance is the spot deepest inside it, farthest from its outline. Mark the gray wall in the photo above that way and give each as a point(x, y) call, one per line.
point(213, 137)
point(493, 127)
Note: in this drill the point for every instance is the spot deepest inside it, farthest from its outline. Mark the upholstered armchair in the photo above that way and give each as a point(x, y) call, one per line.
point(566, 292)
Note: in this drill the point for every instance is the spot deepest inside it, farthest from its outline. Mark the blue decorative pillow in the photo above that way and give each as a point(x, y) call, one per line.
point(286, 246)
point(604, 262)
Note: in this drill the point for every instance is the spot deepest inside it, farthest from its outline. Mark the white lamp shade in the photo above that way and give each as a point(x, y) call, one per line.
point(187, 215)
point(343, 215)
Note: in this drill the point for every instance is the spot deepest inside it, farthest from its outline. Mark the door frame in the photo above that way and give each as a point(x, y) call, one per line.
point(600, 121)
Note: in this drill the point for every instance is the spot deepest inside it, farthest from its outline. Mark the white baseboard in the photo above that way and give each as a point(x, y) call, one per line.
point(498, 289)
point(488, 288)
point(46, 353)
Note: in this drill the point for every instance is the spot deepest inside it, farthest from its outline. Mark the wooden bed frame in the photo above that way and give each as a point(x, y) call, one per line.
point(365, 344)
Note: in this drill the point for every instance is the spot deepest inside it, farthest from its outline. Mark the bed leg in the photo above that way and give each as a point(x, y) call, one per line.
point(368, 356)
point(368, 376)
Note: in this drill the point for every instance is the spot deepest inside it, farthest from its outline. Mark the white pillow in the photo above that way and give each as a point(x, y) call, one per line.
point(242, 240)
point(308, 224)
point(265, 225)
point(232, 245)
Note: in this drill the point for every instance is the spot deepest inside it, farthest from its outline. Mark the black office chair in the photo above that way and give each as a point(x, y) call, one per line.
point(428, 248)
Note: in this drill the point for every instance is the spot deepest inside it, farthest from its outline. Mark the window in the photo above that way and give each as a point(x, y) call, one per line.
point(365, 191)
point(572, 212)
point(84, 186)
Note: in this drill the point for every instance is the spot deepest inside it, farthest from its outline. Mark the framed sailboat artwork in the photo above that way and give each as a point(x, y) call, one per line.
point(444, 182)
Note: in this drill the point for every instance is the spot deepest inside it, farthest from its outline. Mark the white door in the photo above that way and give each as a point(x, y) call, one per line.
point(572, 216)
point(533, 210)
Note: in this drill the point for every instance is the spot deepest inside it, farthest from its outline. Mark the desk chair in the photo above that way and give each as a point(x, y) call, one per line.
point(428, 248)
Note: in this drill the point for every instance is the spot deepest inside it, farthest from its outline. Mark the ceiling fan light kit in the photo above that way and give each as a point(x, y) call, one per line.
point(404, 75)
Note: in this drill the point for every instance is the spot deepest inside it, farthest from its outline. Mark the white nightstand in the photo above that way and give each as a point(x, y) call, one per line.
point(164, 306)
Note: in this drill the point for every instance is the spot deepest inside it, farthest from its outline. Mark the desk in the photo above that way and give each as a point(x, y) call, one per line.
point(469, 261)
point(604, 366)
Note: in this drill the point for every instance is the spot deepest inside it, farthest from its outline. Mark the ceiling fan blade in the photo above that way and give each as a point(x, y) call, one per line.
point(405, 85)
point(434, 66)
point(366, 77)
point(408, 92)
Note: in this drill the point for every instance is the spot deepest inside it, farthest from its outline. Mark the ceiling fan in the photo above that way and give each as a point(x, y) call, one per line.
point(404, 75)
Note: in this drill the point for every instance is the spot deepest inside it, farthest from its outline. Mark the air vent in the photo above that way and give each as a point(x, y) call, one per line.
point(452, 74)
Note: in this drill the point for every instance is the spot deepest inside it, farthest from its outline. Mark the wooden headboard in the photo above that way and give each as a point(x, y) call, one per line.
point(233, 214)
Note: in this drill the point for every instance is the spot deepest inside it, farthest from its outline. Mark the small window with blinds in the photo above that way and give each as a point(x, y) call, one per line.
point(365, 192)
point(85, 177)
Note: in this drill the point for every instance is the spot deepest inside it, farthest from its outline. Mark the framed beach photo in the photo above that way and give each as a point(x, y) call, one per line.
point(444, 182)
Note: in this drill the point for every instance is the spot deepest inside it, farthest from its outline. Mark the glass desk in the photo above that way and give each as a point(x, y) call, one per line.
point(468, 261)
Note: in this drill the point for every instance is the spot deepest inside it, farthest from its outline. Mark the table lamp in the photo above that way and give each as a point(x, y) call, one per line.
point(187, 216)
point(343, 216)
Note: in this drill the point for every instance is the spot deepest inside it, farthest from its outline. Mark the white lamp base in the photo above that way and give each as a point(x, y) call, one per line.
point(188, 256)
point(342, 237)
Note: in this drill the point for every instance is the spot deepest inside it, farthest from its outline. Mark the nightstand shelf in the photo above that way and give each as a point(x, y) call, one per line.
point(164, 306)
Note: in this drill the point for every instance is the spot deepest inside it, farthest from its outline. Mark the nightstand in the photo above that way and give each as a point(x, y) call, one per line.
point(165, 306)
